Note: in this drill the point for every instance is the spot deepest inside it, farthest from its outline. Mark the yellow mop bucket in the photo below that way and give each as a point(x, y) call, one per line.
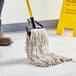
point(67, 17)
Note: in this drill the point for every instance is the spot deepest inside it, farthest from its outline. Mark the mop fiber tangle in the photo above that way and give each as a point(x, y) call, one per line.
point(37, 49)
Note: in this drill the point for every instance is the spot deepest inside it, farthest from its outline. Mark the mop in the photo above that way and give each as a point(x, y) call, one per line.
point(37, 45)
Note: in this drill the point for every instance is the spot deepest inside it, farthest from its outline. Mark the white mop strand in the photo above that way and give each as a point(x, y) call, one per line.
point(37, 49)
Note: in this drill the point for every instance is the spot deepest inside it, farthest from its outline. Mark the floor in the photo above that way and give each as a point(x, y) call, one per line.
point(13, 58)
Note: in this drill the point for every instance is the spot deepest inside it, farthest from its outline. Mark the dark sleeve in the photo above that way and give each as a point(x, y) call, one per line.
point(1, 6)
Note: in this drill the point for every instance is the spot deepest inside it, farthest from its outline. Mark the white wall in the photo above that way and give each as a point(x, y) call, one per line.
point(15, 11)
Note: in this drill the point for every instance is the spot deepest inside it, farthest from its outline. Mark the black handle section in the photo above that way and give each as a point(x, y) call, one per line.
point(39, 24)
point(33, 23)
point(28, 31)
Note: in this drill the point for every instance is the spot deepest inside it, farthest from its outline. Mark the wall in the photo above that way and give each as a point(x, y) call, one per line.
point(15, 11)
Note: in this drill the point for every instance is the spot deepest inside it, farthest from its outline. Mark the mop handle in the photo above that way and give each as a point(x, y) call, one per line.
point(29, 8)
point(30, 13)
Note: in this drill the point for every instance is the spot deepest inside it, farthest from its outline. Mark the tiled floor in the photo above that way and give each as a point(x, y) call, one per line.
point(13, 58)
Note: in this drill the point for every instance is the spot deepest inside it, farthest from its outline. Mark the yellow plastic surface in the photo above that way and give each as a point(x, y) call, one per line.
point(29, 8)
point(67, 17)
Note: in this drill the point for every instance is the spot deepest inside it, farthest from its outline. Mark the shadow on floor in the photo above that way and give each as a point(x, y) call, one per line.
point(14, 61)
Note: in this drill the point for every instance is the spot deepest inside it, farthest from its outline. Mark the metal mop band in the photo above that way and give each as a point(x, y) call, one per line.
point(37, 49)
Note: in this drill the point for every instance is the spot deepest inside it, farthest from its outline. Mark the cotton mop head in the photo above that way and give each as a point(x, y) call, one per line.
point(37, 49)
